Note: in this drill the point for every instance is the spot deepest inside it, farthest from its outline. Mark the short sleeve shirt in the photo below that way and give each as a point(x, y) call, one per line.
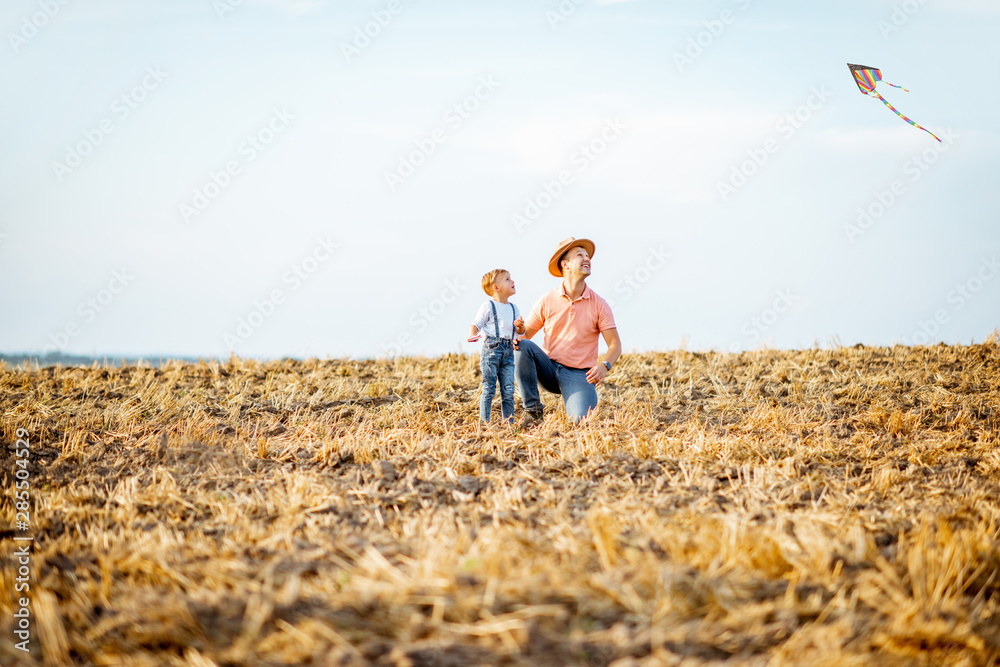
point(571, 327)
point(507, 313)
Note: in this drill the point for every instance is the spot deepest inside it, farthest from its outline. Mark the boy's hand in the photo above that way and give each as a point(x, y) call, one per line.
point(473, 339)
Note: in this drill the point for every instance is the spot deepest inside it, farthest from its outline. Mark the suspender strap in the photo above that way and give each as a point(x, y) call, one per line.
point(496, 323)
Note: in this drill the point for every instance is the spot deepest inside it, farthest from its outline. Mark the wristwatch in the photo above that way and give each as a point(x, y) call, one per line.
point(607, 365)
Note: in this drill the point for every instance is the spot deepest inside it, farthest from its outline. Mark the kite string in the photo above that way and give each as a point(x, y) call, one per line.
point(896, 111)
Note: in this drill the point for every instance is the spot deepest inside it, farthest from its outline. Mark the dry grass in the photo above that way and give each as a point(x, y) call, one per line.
point(777, 507)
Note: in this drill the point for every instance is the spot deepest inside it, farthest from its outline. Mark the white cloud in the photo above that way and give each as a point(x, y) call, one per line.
point(875, 139)
point(295, 7)
point(970, 6)
point(681, 154)
point(865, 138)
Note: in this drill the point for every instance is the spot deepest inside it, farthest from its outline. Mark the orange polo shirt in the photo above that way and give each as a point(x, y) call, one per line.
point(571, 328)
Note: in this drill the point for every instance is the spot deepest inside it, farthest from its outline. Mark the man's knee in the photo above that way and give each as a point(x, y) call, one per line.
point(580, 405)
point(526, 348)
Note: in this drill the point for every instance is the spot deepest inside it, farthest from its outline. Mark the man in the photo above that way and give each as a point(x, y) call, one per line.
point(572, 316)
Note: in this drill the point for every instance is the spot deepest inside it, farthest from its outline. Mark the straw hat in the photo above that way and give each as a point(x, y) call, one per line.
point(563, 248)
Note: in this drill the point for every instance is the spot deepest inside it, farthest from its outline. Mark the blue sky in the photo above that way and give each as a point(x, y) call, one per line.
point(200, 177)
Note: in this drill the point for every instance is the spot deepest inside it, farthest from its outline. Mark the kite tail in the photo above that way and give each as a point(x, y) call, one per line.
point(895, 111)
point(894, 85)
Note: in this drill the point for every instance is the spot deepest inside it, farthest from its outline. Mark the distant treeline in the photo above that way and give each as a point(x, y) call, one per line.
point(60, 359)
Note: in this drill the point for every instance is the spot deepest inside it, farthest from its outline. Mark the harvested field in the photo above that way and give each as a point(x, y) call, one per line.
point(817, 507)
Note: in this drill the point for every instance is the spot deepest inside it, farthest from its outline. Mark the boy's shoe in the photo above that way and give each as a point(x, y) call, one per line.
point(531, 419)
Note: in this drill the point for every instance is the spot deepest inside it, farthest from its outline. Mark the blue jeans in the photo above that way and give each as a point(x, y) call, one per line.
point(496, 361)
point(532, 366)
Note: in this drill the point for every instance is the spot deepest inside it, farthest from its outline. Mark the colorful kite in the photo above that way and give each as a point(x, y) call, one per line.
point(866, 77)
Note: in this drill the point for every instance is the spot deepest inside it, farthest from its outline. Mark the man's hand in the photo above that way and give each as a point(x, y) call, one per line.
point(596, 374)
point(519, 325)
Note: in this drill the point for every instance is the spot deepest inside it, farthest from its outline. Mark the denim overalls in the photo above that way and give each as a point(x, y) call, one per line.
point(496, 361)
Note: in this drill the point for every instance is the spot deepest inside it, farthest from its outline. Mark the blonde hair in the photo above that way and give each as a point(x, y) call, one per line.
point(490, 280)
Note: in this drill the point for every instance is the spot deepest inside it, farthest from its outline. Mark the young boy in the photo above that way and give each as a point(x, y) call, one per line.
point(500, 320)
